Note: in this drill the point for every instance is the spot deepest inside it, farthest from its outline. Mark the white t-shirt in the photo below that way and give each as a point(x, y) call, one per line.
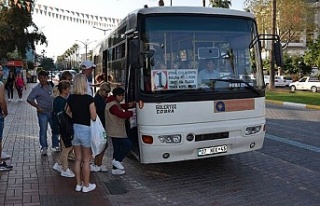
point(206, 75)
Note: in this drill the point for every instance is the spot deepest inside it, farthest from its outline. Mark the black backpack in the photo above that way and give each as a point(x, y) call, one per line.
point(66, 128)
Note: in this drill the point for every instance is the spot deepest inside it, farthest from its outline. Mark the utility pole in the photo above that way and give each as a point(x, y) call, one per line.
point(273, 32)
point(204, 3)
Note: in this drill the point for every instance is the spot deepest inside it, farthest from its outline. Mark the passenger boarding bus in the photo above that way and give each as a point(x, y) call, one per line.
point(161, 55)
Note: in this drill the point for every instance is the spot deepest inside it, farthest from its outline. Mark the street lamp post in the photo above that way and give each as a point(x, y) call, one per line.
point(104, 30)
point(86, 44)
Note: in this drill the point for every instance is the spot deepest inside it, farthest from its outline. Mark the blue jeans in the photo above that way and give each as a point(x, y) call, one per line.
point(121, 147)
point(1, 127)
point(44, 119)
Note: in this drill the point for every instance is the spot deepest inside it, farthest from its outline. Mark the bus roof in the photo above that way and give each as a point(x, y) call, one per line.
point(192, 10)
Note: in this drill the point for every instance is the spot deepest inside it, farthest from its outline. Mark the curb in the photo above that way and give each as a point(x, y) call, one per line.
point(295, 105)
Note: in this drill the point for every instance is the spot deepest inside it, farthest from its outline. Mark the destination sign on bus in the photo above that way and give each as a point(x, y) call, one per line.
point(174, 79)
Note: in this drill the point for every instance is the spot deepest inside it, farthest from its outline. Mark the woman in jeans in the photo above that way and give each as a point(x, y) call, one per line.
point(59, 104)
point(10, 85)
point(82, 109)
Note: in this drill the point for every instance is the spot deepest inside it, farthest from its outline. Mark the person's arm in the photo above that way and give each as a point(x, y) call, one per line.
point(3, 103)
point(128, 105)
point(96, 84)
point(32, 103)
point(120, 113)
point(30, 100)
point(93, 112)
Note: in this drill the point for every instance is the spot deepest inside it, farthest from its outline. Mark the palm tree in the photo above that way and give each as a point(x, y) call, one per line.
point(220, 3)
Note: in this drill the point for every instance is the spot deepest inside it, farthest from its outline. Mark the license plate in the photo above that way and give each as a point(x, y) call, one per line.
point(212, 150)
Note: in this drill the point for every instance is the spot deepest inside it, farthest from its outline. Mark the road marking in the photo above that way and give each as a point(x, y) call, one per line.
point(293, 143)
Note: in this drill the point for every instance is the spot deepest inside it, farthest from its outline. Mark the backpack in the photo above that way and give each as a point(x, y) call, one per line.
point(65, 125)
point(51, 84)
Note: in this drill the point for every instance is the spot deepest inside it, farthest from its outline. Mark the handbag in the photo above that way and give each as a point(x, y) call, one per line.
point(65, 125)
point(99, 139)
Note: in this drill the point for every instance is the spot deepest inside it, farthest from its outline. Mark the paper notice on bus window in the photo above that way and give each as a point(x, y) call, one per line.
point(133, 119)
point(174, 79)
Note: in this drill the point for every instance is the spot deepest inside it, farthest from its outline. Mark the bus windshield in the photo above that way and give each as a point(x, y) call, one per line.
point(199, 53)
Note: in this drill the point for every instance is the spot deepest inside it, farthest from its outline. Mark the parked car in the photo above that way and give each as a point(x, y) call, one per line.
point(57, 77)
point(278, 82)
point(287, 80)
point(306, 83)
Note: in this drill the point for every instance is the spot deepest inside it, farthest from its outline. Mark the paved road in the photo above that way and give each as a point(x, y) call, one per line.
point(285, 172)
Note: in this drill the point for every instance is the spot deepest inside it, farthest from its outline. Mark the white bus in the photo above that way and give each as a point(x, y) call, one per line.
point(157, 54)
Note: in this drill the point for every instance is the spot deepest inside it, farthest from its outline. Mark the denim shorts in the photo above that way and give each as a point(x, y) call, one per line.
point(1, 126)
point(82, 135)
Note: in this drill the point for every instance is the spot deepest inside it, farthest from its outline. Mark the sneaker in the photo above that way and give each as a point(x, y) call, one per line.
point(117, 164)
point(94, 168)
point(57, 167)
point(103, 168)
point(118, 172)
point(79, 187)
point(89, 188)
point(56, 149)
point(67, 173)
point(5, 167)
point(5, 156)
point(44, 151)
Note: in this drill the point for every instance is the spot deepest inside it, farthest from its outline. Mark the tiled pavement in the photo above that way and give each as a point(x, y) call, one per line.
point(32, 180)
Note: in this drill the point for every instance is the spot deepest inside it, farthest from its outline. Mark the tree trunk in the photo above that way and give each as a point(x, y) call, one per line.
point(272, 68)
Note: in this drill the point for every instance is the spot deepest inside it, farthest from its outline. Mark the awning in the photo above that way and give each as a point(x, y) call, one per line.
point(15, 63)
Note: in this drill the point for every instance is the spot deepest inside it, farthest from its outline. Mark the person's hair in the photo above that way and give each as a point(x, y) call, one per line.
point(55, 91)
point(80, 84)
point(43, 73)
point(117, 91)
point(105, 86)
point(213, 61)
point(66, 75)
point(110, 77)
point(99, 77)
point(63, 84)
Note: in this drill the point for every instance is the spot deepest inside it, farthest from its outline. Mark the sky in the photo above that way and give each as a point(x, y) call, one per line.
point(62, 35)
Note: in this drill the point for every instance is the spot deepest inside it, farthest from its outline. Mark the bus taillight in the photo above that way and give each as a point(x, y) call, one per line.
point(147, 139)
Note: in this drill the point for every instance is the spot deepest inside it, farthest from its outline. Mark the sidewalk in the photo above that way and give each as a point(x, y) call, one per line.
point(32, 180)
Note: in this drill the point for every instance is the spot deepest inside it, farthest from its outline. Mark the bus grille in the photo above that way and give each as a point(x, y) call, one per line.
point(205, 137)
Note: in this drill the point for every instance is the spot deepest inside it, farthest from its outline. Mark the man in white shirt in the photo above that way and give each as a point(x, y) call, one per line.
point(87, 67)
point(209, 73)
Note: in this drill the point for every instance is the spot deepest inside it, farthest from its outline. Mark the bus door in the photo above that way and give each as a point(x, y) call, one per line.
point(131, 124)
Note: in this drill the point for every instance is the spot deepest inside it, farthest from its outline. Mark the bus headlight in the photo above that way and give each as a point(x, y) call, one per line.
point(252, 130)
point(175, 138)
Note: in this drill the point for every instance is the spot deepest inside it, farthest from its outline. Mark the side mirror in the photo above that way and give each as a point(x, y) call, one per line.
point(278, 54)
